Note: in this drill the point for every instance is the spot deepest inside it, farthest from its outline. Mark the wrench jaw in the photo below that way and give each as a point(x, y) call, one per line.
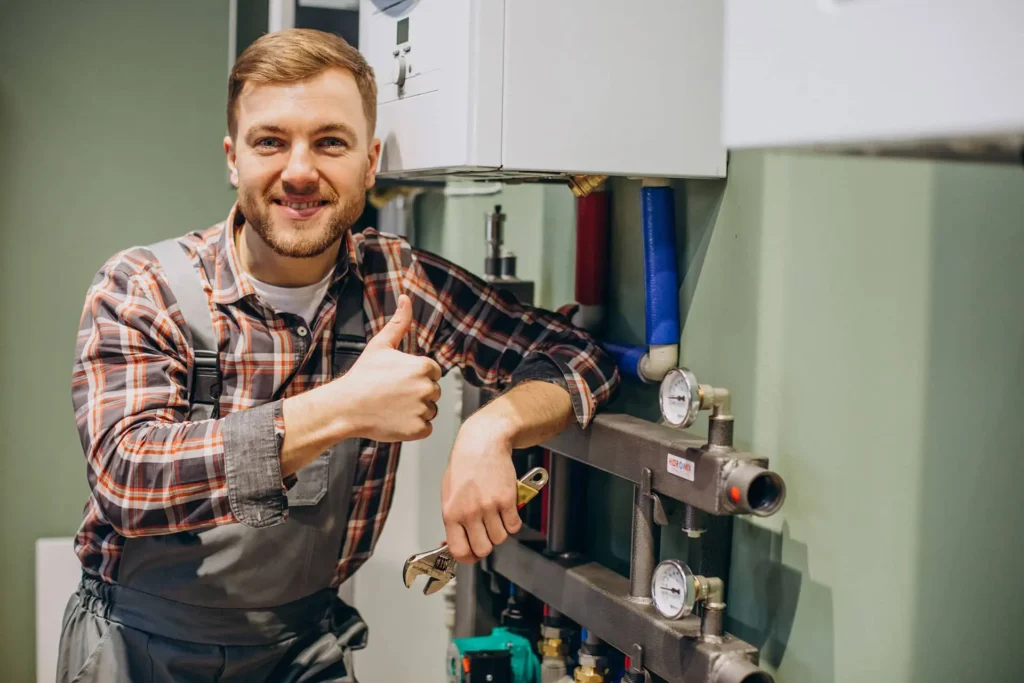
point(437, 565)
point(433, 585)
point(410, 571)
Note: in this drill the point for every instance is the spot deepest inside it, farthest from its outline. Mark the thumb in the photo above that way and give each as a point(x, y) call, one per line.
point(397, 327)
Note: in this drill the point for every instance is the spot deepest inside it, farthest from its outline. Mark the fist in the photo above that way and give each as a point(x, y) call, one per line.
point(478, 492)
point(389, 395)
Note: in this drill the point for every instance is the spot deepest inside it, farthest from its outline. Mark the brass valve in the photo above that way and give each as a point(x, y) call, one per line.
point(589, 674)
point(553, 647)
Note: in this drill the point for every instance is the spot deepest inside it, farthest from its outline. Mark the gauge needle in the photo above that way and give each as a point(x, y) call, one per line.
point(671, 590)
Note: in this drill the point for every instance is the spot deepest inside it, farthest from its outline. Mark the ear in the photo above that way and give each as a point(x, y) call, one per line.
point(229, 152)
point(372, 156)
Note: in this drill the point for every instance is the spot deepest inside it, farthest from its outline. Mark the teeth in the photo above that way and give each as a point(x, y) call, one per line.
point(299, 207)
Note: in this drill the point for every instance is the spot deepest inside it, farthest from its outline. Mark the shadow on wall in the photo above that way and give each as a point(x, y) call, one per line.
point(702, 205)
point(763, 602)
point(967, 597)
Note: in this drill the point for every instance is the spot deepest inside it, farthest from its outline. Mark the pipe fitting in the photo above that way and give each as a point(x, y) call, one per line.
point(589, 674)
point(553, 647)
point(717, 399)
point(711, 590)
point(754, 490)
point(693, 521)
point(739, 670)
point(656, 363)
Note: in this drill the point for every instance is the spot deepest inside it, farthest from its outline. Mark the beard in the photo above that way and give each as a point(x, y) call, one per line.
point(301, 238)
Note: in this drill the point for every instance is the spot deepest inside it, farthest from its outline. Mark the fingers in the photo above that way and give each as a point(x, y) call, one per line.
point(432, 369)
point(495, 527)
point(510, 518)
point(392, 334)
point(479, 542)
point(458, 544)
point(431, 410)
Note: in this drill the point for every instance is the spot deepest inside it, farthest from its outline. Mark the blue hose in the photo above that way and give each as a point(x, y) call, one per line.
point(662, 279)
point(626, 357)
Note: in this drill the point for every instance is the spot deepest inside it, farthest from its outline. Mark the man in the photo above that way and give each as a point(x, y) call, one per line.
point(241, 394)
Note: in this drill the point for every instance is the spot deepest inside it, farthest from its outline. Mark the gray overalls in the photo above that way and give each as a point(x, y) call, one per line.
point(231, 603)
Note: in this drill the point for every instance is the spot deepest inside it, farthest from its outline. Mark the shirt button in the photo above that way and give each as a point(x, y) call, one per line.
point(302, 331)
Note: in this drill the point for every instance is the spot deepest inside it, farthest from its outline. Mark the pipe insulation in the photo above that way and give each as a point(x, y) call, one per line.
point(626, 357)
point(660, 270)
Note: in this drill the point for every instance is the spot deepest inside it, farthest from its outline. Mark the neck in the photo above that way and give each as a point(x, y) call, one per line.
point(266, 265)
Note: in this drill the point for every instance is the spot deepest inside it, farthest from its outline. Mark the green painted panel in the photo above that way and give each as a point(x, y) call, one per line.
point(111, 122)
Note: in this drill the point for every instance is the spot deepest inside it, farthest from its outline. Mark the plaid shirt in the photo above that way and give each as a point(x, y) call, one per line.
point(151, 471)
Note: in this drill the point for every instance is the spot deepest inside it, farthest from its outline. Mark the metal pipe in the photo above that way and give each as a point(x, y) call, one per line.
point(558, 505)
point(755, 490)
point(493, 234)
point(720, 431)
point(643, 551)
point(739, 670)
point(624, 445)
point(558, 513)
point(693, 521)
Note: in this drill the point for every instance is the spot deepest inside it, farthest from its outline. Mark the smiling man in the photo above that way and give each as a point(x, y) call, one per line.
point(241, 394)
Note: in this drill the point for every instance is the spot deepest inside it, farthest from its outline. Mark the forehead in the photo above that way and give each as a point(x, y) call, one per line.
point(330, 97)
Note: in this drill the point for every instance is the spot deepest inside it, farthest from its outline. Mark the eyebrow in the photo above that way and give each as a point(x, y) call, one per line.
point(342, 128)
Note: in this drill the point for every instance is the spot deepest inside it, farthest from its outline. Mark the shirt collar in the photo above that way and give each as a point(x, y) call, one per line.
point(231, 283)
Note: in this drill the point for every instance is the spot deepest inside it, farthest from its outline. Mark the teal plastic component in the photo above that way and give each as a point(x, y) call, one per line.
point(525, 665)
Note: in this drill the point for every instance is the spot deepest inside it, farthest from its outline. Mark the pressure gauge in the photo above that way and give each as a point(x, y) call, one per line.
point(673, 589)
point(679, 397)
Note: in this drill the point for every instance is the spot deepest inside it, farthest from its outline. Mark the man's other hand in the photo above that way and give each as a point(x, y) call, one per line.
point(478, 493)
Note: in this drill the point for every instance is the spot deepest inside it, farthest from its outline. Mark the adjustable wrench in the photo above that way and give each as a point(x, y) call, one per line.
point(438, 565)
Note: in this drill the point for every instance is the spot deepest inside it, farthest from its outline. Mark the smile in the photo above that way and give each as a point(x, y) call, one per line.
point(299, 206)
point(298, 211)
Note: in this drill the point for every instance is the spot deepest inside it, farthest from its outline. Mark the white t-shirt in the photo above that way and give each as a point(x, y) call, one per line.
point(300, 301)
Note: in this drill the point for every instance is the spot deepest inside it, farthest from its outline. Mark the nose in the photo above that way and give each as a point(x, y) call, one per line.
point(300, 172)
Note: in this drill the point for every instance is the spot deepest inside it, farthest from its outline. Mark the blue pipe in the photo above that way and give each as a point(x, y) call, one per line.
point(662, 278)
point(626, 357)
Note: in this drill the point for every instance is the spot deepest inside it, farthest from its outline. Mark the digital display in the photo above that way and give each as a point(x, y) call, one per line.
point(403, 31)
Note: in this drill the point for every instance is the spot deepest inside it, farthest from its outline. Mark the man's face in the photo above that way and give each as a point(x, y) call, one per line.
point(302, 160)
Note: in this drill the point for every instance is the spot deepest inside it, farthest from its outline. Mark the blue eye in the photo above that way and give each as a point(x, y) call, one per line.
point(267, 143)
point(334, 143)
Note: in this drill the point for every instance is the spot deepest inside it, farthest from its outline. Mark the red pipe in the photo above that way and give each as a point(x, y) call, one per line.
point(592, 248)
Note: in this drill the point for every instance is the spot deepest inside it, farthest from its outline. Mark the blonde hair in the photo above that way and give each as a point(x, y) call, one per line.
point(294, 55)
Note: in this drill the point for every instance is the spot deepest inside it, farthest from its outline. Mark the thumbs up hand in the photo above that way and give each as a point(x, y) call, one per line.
point(389, 395)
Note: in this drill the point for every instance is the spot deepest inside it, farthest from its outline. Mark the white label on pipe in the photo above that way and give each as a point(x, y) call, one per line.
point(681, 467)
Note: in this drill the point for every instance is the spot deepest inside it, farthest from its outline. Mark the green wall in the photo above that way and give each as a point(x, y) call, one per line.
point(111, 117)
point(866, 315)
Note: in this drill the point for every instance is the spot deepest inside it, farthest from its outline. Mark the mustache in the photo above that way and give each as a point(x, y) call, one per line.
point(326, 194)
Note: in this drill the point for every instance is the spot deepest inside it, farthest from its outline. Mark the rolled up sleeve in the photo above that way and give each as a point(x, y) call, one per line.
point(498, 341)
point(252, 460)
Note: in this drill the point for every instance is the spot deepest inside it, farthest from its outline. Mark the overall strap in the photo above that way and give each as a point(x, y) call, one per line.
point(349, 325)
point(204, 376)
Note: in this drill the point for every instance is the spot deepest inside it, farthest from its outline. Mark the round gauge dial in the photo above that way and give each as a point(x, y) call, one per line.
point(673, 589)
point(679, 397)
